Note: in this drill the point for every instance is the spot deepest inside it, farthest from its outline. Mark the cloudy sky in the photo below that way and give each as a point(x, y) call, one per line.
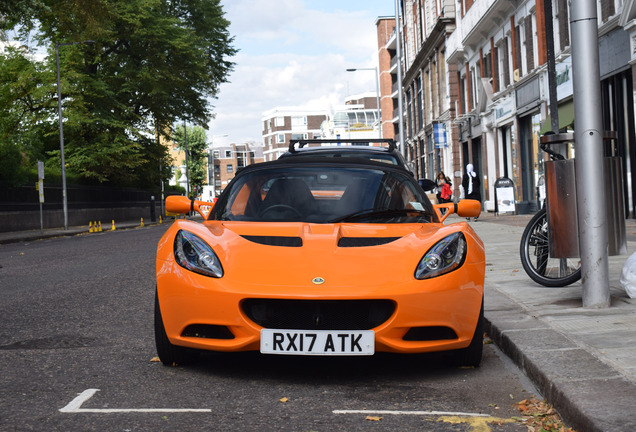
point(294, 53)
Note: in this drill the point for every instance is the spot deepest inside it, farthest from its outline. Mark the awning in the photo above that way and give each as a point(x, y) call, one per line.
point(566, 118)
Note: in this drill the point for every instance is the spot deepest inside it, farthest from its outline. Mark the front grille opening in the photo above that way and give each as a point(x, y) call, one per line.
point(318, 314)
point(432, 333)
point(207, 331)
point(365, 241)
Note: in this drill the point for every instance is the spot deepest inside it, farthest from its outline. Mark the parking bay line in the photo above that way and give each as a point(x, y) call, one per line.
point(419, 413)
point(75, 407)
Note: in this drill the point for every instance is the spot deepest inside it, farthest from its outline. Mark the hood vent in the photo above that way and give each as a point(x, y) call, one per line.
point(365, 241)
point(275, 240)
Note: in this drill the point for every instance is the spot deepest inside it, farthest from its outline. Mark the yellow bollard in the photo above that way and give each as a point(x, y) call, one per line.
point(142, 222)
point(160, 221)
point(90, 227)
point(113, 228)
point(100, 226)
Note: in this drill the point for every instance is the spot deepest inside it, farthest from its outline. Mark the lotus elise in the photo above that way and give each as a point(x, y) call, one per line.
point(320, 256)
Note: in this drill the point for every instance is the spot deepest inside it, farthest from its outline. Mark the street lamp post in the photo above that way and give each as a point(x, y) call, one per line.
point(59, 113)
point(377, 94)
point(185, 141)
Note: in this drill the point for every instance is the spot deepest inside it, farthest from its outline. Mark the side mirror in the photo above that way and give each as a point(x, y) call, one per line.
point(182, 205)
point(427, 184)
point(464, 208)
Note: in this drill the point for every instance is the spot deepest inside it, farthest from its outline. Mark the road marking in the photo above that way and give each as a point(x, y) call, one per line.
point(75, 407)
point(419, 413)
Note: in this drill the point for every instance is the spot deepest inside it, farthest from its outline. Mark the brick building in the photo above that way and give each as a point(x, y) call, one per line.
point(280, 125)
point(225, 160)
point(479, 68)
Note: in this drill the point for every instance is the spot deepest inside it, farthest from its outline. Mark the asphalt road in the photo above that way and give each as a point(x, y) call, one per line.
point(77, 343)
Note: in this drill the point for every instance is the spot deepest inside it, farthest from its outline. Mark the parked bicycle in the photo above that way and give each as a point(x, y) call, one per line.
point(535, 249)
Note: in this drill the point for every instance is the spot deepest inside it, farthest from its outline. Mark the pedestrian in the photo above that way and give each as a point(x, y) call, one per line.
point(444, 188)
point(470, 183)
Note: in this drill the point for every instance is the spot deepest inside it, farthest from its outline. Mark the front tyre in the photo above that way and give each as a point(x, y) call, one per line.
point(534, 252)
point(471, 355)
point(169, 354)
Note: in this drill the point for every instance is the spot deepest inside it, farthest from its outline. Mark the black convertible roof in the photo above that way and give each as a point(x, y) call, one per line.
point(352, 143)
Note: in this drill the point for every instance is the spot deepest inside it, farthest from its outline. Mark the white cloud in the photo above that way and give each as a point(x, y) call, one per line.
point(291, 55)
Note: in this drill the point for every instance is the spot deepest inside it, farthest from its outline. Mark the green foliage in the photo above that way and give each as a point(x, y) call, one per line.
point(11, 170)
point(151, 63)
point(197, 154)
point(26, 105)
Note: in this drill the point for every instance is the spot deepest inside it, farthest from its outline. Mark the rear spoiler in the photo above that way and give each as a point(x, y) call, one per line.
point(361, 142)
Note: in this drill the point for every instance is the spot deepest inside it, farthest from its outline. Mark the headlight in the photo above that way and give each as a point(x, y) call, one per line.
point(192, 253)
point(447, 255)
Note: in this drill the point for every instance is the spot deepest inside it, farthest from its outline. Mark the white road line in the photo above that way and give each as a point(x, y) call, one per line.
point(419, 413)
point(75, 407)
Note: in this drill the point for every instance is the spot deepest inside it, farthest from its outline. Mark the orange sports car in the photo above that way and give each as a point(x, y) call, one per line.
point(320, 256)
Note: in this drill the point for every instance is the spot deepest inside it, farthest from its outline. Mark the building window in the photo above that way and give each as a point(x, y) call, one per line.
point(299, 121)
point(462, 95)
point(230, 168)
point(279, 121)
point(280, 138)
point(241, 159)
point(418, 89)
point(228, 153)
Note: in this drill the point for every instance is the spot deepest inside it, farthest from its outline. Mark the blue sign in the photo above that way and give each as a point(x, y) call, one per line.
point(439, 135)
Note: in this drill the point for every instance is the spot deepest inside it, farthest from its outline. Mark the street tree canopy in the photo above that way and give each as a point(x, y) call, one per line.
point(148, 63)
point(194, 144)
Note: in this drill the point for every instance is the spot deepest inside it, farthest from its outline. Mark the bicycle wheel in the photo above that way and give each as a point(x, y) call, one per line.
point(535, 256)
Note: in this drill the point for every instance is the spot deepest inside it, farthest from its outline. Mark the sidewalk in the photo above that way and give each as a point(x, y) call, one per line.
point(31, 235)
point(583, 361)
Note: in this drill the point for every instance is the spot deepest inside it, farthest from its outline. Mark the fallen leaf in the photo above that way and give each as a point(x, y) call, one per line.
point(155, 359)
point(283, 400)
point(373, 418)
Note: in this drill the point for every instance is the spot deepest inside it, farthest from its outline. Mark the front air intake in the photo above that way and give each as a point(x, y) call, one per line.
point(318, 314)
point(207, 331)
point(365, 241)
point(275, 240)
point(432, 333)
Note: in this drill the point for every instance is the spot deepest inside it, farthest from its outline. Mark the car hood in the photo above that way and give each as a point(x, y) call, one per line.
point(343, 255)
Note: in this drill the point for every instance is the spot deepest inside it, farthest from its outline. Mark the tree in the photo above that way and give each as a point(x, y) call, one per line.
point(25, 95)
point(196, 154)
point(152, 62)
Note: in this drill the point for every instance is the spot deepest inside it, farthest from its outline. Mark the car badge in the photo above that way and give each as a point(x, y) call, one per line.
point(318, 280)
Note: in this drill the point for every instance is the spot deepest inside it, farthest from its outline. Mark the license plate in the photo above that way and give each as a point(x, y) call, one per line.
point(317, 342)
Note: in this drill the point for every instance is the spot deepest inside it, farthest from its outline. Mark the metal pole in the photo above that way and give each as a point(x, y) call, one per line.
point(377, 93)
point(185, 140)
point(59, 113)
point(398, 53)
point(590, 191)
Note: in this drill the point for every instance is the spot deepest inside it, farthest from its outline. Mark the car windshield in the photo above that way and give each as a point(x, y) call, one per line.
point(320, 194)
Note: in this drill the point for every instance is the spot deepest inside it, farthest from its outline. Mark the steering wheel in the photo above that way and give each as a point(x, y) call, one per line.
point(280, 207)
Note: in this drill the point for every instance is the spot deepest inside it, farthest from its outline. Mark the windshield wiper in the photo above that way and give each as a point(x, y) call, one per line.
point(374, 212)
